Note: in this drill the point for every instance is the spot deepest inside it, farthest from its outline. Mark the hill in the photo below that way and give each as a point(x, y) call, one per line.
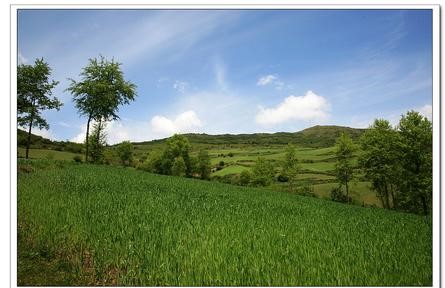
point(105, 225)
point(314, 137)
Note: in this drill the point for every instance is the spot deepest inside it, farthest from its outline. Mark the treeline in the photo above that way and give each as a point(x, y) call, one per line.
point(314, 137)
point(398, 162)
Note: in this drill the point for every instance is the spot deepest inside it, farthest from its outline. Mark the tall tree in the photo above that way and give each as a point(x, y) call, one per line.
point(263, 172)
point(344, 150)
point(33, 96)
point(416, 147)
point(101, 91)
point(380, 160)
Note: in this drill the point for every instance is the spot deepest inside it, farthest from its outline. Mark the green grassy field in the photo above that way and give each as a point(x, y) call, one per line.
point(100, 225)
point(47, 154)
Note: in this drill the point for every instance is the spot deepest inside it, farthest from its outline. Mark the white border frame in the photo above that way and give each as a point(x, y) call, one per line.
point(169, 4)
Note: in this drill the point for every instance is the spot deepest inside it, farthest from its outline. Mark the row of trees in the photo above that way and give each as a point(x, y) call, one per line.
point(396, 160)
point(97, 96)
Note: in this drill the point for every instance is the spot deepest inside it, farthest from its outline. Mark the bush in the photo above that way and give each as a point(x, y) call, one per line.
point(282, 178)
point(77, 159)
point(230, 154)
point(338, 195)
point(244, 178)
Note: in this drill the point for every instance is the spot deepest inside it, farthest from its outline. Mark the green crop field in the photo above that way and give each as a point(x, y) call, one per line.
point(82, 224)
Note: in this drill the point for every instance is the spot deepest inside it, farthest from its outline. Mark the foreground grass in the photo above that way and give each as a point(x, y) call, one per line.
point(112, 225)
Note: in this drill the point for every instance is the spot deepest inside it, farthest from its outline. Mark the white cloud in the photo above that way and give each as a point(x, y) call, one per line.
point(184, 122)
point(265, 80)
point(181, 86)
point(307, 107)
point(64, 124)
point(220, 74)
point(427, 111)
point(270, 80)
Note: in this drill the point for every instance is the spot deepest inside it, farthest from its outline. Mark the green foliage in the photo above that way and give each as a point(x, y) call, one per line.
point(97, 143)
point(338, 195)
point(101, 91)
point(204, 166)
point(416, 149)
point(291, 167)
point(245, 178)
point(176, 146)
point(398, 162)
point(125, 152)
point(263, 172)
point(179, 167)
point(343, 167)
point(77, 159)
point(151, 230)
point(380, 161)
point(34, 90)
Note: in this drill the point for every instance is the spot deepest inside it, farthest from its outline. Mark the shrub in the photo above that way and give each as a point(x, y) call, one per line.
point(338, 195)
point(77, 159)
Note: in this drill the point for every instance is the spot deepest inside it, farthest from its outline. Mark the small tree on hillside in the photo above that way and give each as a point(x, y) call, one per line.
point(100, 92)
point(291, 167)
point(263, 172)
point(344, 150)
point(245, 178)
point(33, 96)
point(204, 165)
point(125, 152)
point(176, 146)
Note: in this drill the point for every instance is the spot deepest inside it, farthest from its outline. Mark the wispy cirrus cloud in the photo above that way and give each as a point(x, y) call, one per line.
point(270, 80)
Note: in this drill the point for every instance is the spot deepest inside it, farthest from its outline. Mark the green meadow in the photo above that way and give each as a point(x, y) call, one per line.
point(82, 224)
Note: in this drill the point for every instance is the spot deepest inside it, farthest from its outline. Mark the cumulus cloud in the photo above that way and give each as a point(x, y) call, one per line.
point(270, 80)
point(308, 107)
point(184, 122)
point(181, 86)
point(427, 111)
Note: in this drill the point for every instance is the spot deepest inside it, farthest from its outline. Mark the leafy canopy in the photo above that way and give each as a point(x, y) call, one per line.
point(33, 94)
point(101, 90)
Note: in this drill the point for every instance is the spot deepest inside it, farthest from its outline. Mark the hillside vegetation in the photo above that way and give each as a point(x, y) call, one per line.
point(104, 225)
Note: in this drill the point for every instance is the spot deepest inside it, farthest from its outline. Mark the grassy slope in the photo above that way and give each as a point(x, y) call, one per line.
point(134, 228)
point(47, 154)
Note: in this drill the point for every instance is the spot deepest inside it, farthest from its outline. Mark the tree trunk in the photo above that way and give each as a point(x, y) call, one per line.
point(29, 138)
point(347, 191)
point(88, 131)
point(394, 201)
point(387, 196)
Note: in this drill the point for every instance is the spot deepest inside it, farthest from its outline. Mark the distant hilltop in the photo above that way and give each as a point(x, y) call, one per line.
point(318, 136)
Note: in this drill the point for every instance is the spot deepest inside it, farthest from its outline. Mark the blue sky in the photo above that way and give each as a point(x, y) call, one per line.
point(238, 71)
